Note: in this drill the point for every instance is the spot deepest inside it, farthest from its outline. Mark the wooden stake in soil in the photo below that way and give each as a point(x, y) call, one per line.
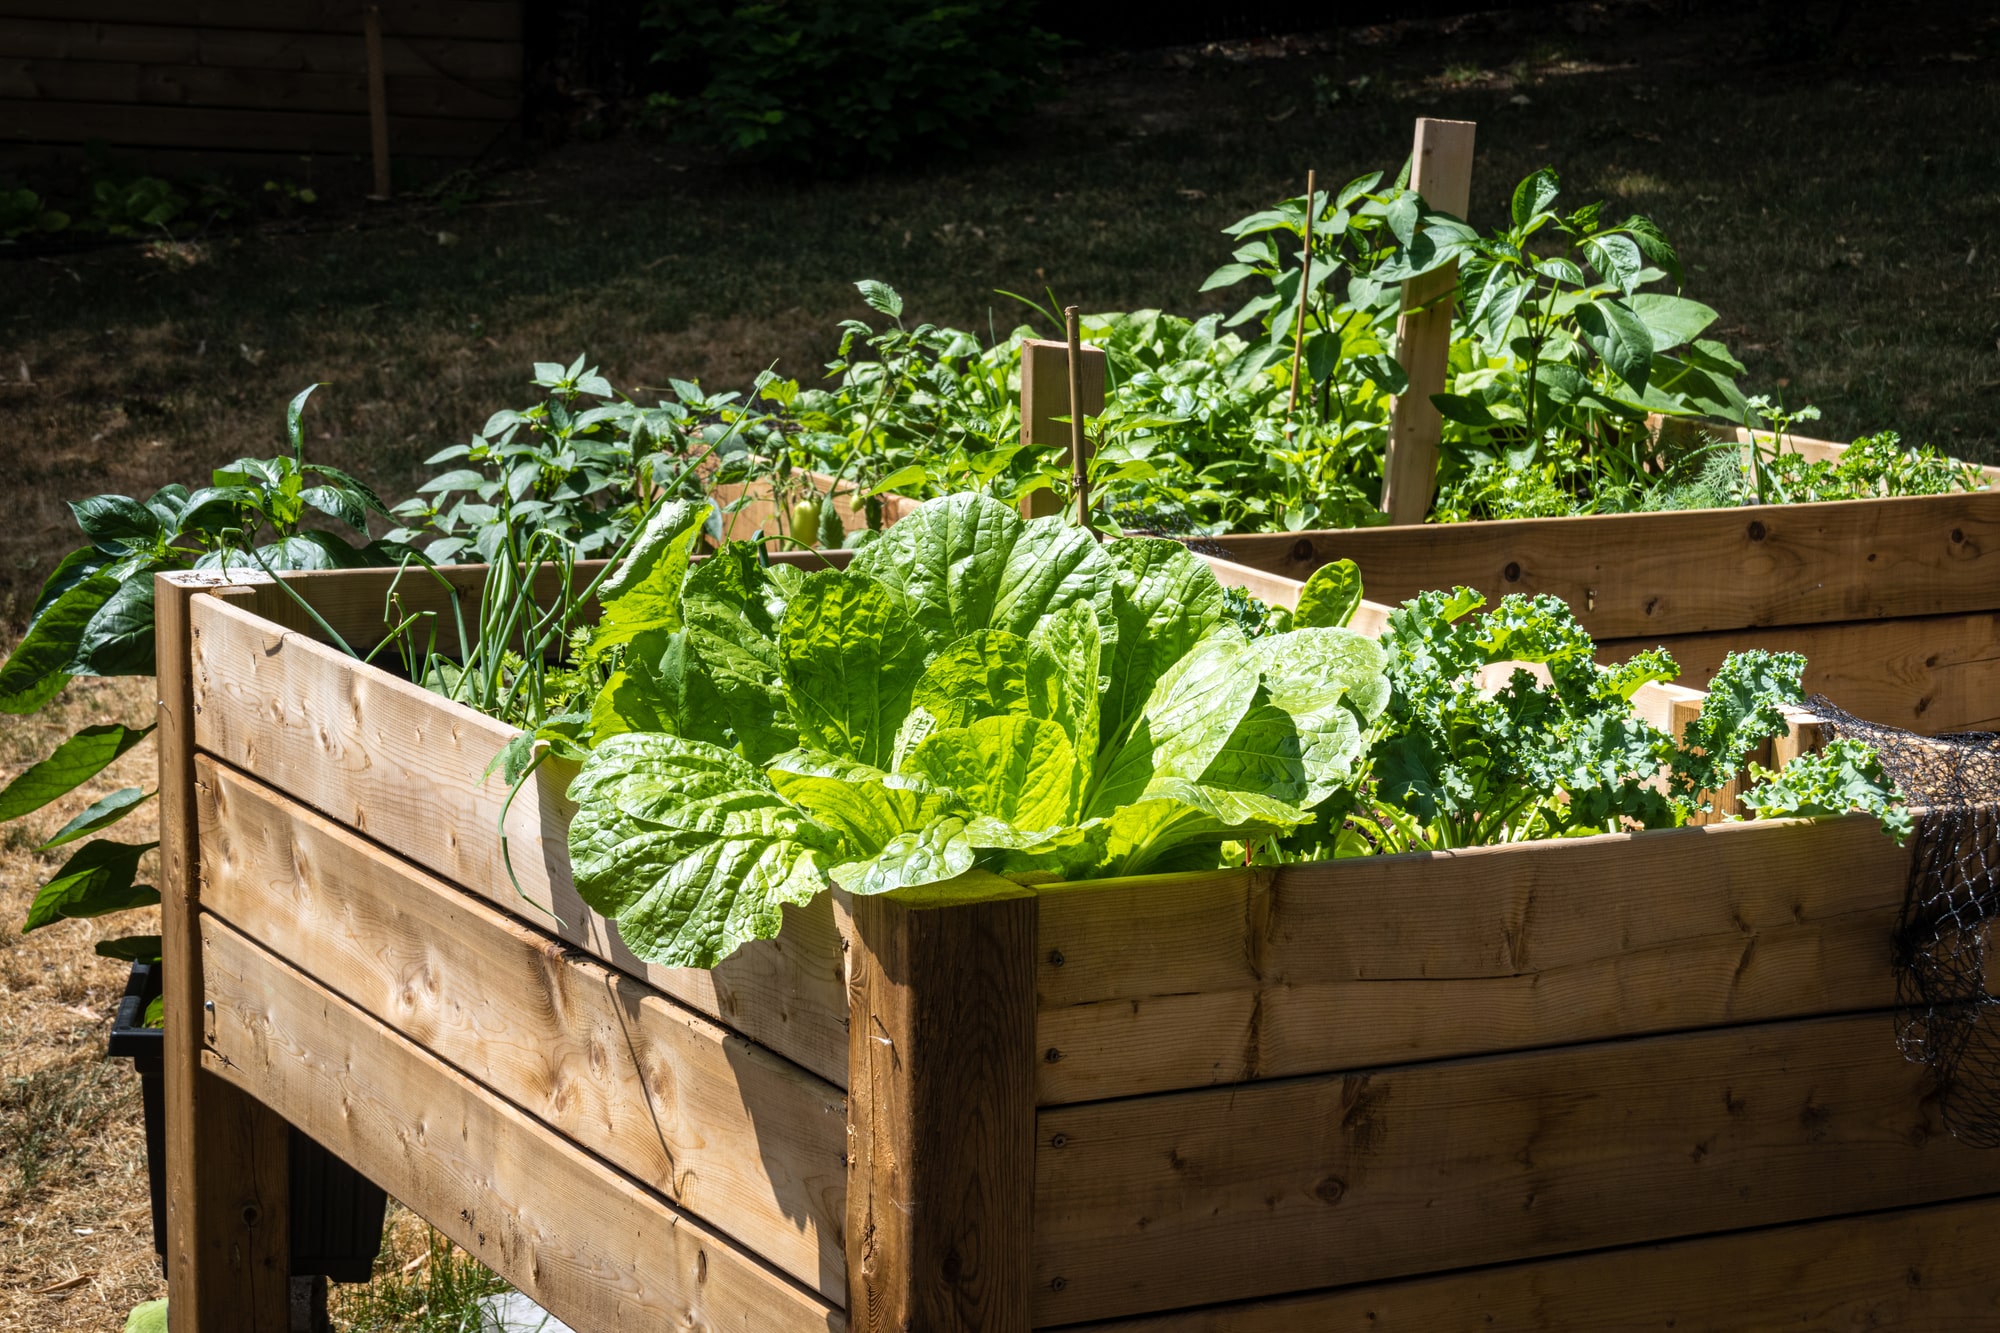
point(1305, 285)
point(1079, 456)
point(1045, 403)
point(1441, 171)
point(378, 100)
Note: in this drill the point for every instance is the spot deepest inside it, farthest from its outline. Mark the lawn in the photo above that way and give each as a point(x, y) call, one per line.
point(1839, 212)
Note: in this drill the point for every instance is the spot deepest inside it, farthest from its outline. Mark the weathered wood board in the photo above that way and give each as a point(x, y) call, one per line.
point(1690, 572)
point(590, 1244)
point(405, 768)
point(1259, 974)
point(1192, 1198)
point(716, 1124)
point(1919, 1270)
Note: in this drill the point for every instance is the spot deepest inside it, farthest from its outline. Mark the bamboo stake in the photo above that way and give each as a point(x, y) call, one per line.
point(1078, 459)
point(1305, 285)
point(378, 99)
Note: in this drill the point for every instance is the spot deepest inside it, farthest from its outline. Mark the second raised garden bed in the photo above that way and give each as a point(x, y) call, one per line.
point(1623, 1081)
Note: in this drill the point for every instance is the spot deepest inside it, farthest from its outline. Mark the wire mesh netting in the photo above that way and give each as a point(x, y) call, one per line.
point(1946, 1012)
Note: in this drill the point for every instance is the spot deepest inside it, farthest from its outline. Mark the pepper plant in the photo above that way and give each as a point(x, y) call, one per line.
point(94, 617)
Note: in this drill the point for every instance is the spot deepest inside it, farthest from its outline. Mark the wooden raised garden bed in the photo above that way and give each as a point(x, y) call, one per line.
point(1627, 1081)
point(1894, 602)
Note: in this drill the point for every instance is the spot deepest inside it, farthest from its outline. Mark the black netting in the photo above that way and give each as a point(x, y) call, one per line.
point(1946, 1015)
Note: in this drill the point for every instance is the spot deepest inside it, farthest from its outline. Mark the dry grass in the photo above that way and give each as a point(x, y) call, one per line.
point(76, 1234)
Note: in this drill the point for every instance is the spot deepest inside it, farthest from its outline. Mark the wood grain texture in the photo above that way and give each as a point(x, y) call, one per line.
point(490, 68)
point(941, 1119)
point(1045, 390)
point(1259, 974)
point(1227, 1194)
point(1930, 674)
point(30, 121)
point(1441, 171)
point(1648, 575)
point(137, 84)
point(594, 1247)
point(403, 767)
point(487, 20)
point(228, 1251)
point(1044, 397)
point(1920, 1270)
point(751, 1144)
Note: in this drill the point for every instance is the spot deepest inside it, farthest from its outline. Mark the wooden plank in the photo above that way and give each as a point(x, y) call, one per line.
point(1441, 171)
point(1920, 1270)
point(259, 89)
point(1258, 974)
point(1044, 394)
point(1930, 674)
point(479, 20)
point(28, 121)
point(941, 1117)
point(404, 768)
point(492, 68)
point(750, 1143)
point(1648, 575)
point(591, 1245)
point(1226, 1194)
point(228, 1242)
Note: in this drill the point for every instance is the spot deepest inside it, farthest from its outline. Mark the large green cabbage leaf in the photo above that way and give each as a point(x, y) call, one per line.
point(975, 690)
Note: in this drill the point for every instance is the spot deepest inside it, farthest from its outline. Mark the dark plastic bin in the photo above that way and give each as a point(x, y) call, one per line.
point(336, 1212)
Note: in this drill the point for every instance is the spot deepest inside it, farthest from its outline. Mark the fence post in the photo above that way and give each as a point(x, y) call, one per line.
point(1441, 171)
point(1045, 397)
point(941, 1110)
point(228, 1214)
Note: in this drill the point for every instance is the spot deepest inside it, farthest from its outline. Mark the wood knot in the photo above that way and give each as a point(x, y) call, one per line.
point(1756, 531)
point(1302, 549)
point(1331, 1190)
point(1958, 536)
point(1513, 571)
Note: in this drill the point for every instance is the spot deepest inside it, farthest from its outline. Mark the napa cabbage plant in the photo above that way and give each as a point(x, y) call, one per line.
point(973, 691)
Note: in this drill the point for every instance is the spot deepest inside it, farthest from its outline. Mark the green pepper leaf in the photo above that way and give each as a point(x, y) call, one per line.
point(96, 879)
point(100, 816)
point(73, 763)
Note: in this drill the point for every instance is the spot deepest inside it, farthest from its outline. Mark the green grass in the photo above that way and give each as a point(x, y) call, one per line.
point(1838, 214)
point(422, 1284)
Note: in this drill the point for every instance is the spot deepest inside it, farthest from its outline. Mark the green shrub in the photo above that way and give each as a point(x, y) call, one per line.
point(834, 87)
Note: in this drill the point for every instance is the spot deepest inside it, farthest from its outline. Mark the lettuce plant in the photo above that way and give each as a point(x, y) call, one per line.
point(974, 691)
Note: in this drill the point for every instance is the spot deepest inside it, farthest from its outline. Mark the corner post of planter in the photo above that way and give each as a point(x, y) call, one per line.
point(941, 1110)
point(1441, 171)
point(1045, 400)
point(228, 1214)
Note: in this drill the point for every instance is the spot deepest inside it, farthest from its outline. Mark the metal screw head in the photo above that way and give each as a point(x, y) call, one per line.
point(208, 1006)
point(1057, 1284)
point(1056, 958)
point(1059, 1141)
point(1052, 1055)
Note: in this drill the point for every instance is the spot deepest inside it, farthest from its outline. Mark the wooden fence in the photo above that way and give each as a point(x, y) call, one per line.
point(258, 75)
